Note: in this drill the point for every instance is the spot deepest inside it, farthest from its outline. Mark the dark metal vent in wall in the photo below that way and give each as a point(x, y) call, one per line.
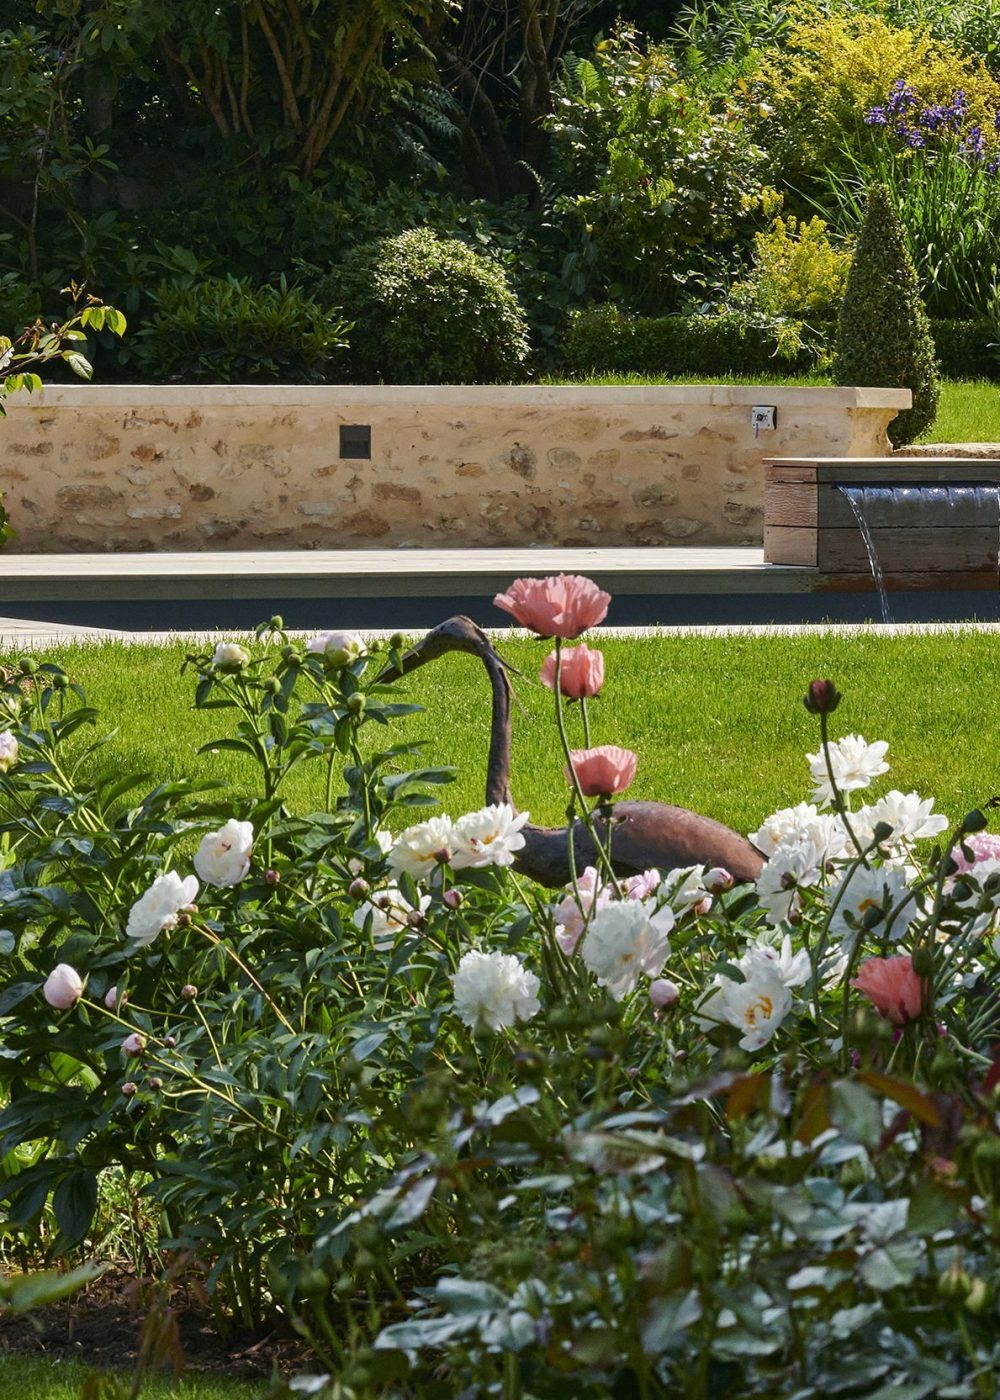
point(355, 440)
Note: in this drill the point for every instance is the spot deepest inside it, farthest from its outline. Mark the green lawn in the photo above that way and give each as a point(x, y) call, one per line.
point(969, 411)
point(38, 1378)
point(717, 722)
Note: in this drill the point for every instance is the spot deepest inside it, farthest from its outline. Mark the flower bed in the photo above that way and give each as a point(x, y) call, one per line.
point(656, 1132)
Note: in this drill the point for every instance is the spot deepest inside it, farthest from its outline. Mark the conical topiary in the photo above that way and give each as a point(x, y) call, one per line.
point(883, 336)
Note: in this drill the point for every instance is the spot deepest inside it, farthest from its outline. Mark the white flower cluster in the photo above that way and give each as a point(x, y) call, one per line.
point(494, 990)
point(491, 836)
point(222, 859)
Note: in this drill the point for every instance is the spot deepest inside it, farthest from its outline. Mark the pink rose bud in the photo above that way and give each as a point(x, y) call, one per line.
point(581, 674)
point(129, 1089)
point(664, 993)
point(134, 1044)
point(271, 877)
point(603, 771)
point(63, 987)
point(189, 991)
point(822, 698)
point(563, 606)
point(358, 889)
point(718, 880)
point(453, 898)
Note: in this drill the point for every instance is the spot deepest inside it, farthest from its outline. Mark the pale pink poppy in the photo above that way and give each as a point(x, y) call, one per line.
point(603, 771)
point(561, 606)
point(892, 987)
point(581, 674)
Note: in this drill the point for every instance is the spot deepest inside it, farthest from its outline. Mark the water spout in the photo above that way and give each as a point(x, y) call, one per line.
point(855, 497)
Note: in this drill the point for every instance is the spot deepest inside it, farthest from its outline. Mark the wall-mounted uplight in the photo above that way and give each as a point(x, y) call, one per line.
point(355, 440)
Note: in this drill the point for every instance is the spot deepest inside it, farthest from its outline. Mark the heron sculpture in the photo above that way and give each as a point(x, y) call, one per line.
point(642, 835)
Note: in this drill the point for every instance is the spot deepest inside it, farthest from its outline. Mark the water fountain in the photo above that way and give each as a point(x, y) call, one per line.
point(884, 525)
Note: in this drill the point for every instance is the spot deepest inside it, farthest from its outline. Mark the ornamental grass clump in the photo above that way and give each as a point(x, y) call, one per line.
point(656, 1132)
point(883, 335)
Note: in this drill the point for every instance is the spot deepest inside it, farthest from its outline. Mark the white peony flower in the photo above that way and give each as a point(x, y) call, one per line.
point(422, 848)
point(63, 987)
point(493, 989)
point(229, 656)
point(340, 648)
point(487, 837)
point(685, 888)
point(570, 915)
point(866, 888)
point(158, 908)
point(791, 867)
point(855, 763)
point(911, 817)
point(8, 750)
point(794, 969)
point(389, 911)
point(223, 858)
point(792, 825)
point(757, 1006)
point(625, 940)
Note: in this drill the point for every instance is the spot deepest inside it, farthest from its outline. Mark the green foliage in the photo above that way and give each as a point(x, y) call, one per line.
point(229, 331)
point(603, 339)
point(651, 176)
point(966, 349)
point(883, 336)
point(430, 310)
point(796, 272)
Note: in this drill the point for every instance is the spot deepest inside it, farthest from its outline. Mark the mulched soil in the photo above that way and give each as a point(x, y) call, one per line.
point(101, 1327)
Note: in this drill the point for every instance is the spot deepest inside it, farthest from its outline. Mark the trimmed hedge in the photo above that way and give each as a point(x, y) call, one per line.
point(604, 340)
point(967, 349)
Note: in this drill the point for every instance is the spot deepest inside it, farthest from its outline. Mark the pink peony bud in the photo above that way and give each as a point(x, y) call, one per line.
point(718, 880)
point(892, 987)
point(189, 991)
point(272, 877)
point(563, 606)
point(581, 674)
point(111, 998)
point(453, 898)
point(358, 889)
point(134, 1044)
point(170, 1041)
point(63, 987)
point(664, 993)
point(603, 771)
point(129, 1089)
point(156, 1083)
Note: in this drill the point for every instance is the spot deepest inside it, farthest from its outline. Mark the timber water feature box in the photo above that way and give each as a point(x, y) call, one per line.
point(931, 522)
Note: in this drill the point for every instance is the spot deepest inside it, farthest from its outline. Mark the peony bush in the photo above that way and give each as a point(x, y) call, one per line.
point(656, 1133)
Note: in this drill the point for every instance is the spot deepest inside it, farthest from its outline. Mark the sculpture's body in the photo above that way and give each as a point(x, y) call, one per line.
point(643, 834)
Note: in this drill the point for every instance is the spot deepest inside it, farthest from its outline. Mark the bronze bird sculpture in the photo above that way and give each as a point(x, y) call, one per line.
point(643, 834)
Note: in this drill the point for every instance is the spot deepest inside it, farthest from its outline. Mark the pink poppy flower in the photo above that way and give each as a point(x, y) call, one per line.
point(561, 606)
point(892, 987)
point(581, 674)
point(603, 771)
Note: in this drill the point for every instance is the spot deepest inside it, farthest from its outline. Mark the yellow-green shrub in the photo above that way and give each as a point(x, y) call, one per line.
point(835, 67)
point(796, 271)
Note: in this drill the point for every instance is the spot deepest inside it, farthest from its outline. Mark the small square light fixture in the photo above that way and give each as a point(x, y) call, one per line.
point(355, 440)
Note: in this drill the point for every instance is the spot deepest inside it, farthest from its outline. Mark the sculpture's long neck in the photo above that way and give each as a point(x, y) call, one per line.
point(498, 766)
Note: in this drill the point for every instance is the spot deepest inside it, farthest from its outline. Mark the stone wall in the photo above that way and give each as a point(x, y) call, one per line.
point(136, 468)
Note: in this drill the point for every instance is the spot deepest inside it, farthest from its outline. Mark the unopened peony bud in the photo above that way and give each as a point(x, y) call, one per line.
point(359, 889)
point(111, 998)
point(453, 898)
point(271, 686)
point(60, 681)
point(28, 665)
point(189, 991)
point(170, 1041)
point(63, 987)
point(415, 919)
point(718, 880)
point(156, 1083)
point(129, 1089)
point(664, 993)
point(979, 1297)
point(272, 877)
point(134, 1044)
point(356, 703)
point(398, 640)
point(822, 698)
point(277, 623)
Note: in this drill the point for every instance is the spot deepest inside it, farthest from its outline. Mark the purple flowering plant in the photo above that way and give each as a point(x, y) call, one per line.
point(938, 128)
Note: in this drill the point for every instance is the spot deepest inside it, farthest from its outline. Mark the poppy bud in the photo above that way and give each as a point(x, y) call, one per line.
point(923, 961)
point(974, 821)
point(822, 698)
